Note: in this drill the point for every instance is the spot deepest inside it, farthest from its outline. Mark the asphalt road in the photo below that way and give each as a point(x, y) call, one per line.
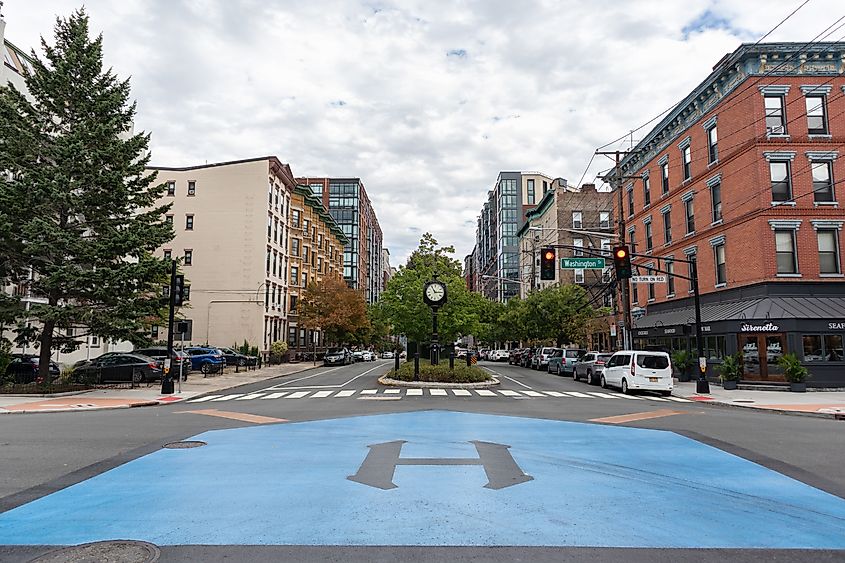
point(45, 453)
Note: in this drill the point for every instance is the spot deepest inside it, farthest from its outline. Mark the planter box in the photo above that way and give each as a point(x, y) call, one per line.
point(729, 385)
point(798, 387)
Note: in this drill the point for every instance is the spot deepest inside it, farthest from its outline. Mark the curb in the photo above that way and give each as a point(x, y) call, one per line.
point(720, 404)
point(388, 382)
point(56, 411)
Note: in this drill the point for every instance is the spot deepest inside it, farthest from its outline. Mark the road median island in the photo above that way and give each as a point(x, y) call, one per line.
point(461, 377)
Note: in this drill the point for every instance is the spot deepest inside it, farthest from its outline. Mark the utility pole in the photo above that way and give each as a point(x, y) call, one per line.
point(166, 380)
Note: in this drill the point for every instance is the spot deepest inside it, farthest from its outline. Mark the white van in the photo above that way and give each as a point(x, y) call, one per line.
point(634, 370)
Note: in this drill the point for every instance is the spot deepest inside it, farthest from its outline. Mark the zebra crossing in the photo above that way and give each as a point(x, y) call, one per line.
point(431, 392)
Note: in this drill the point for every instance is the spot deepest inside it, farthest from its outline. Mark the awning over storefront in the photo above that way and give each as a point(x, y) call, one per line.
point(763, 308)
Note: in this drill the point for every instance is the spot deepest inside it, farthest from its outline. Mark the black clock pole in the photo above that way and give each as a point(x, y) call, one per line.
point(435, 345)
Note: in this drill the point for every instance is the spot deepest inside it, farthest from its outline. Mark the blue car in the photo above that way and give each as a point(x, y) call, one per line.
point(207, 360)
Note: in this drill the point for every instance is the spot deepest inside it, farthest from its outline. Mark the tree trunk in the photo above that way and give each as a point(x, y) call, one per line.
point(46, 340)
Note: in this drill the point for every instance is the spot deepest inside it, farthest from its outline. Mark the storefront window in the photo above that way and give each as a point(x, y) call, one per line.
point(822, 348)
point(812, 348)
point(775, 348)
point(833, 347)
point(714, 347)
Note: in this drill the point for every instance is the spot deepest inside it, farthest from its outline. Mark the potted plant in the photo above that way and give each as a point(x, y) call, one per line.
point(683, 361)
point(794, 372)
point(730, 371)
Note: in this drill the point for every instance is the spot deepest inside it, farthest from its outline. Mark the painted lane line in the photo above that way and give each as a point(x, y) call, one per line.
point(249, 397)
point(297, 395)
point(485, 392)
point(555, 394)
point(227, 397)
point(321, 394)
point(579, 395)
point(338, 386)
point(437, 392)
point(347, 393)
point(533, 394)
point(413, 392)
point(603, 395)
point(509, 393)
point(392, 391)
point(276, 395)
point(369, 391)
point(461, 392)
point(623, 396)
point(517, 382)
point(243, 417)
point(204, 399)
point(678, 399)
point(650, 398)
point(621, 419)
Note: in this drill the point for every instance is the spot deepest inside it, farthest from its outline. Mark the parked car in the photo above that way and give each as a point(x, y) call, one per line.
point(632, 370)
point(513, 357)
point(159, 354)
point(235, 358)
point(358, 356)
point(369, 356)
point(387, 355)
point(337, 356)
point(483, 354)
point(590, 366)
point(205, 359)
point(123, 366)
point(499, 355)
point(568, 359)
point(23, 368)
point(526, 356)
point(540, 360)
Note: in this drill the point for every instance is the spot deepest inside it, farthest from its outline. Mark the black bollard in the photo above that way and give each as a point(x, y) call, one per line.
point(396, 361)
point(451, 360)
point(469, 358)
point(416, 366)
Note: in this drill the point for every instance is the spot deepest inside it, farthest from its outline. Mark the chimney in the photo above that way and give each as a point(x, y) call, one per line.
point(588, 187)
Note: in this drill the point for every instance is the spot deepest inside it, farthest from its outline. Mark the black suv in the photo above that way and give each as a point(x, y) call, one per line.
point(24, 369)
point(337, 356)
point(121, 366)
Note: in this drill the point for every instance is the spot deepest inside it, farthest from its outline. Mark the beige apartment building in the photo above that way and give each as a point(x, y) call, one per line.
point(232, 231)
point(315, 252)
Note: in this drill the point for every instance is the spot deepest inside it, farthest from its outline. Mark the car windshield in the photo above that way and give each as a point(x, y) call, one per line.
point(333, 351)
point(652, 362)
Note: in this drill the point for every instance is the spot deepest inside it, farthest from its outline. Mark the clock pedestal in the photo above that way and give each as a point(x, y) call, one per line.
point(435, 344)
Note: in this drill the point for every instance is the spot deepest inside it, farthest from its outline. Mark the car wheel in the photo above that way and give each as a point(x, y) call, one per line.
point(603, 383)
point(205, 368)
point(589, 379)
point(575, 376)
point(137, 376)
point(241, 362)
point(625, 389)
point(558, 370)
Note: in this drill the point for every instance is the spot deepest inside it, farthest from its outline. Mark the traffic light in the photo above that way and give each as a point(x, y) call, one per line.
point(622, 262)
point(178, 288)
point(547, 264)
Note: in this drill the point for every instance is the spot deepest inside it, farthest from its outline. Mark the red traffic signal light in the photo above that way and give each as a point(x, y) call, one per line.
point(622, 262)
point(547, 264)
point(549, 255)
point(621, 252)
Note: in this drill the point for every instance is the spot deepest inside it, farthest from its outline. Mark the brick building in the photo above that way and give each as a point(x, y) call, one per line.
point(742, 178)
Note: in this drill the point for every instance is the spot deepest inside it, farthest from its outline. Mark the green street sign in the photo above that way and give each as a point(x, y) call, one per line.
point(582, 263)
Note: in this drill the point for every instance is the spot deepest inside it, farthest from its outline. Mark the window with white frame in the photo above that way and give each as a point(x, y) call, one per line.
point(816, 114)
point(646, 191)
point(828, 251)
point(822, 181)
point(576, 220)
point(578, 243)
point(664, 176)
point(775, 115)
point(670, 277)
point(712, 145)
point(579, 276)
point(719, 262)
point(604, 219)
point(649, 242)
point(787, 258)
point(781, 180)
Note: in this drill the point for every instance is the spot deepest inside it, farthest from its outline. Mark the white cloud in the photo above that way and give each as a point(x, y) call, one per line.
point(425, 101)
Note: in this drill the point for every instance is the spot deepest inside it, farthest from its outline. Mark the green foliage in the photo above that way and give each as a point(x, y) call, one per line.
point(278, 350)
point(253, 351)
point(793, 371)
point(77, 205)
point(731, 368)
point(402, 302)
point(441, 373)
point(682, 360)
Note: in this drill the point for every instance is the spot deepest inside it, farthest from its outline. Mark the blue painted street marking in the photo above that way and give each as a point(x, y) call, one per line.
point(593, 485)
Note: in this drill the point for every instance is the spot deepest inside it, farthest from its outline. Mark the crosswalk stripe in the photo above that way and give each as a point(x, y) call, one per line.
point(533, 394)
point(346, 393)
point(297, 395)
point(227, 397)
point(657, 399)
point(624, 396)
point(369, 391)
point(603, 395)
point(413, 392)
point(461, 392)
point(321, 394)
point(485, 392)
point(579, 395)
point(249, 397)
point(204, 399)
point(392, 391)
point(678, 399)
point(437, 392)
point(555, 394)
point(276, 395)
point(509, 393)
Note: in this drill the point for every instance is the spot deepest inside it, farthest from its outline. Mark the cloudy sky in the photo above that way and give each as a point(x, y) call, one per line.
point(426, 101)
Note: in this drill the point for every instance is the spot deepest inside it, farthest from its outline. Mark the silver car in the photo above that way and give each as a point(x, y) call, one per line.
point(590, 366)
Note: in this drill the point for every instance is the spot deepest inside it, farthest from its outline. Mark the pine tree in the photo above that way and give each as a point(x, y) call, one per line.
point(76, 205)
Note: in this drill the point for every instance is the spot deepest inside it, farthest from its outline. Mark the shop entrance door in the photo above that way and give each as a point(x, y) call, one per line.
point(760, 353)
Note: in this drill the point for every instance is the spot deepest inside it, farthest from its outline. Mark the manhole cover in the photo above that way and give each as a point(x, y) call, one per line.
point(184, 444)
point(120, 551)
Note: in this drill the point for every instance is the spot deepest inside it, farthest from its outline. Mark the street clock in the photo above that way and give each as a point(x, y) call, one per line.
point(434, 294)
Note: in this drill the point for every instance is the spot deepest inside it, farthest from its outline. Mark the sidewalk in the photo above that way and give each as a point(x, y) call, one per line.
point(828, 404)
point(145, 395)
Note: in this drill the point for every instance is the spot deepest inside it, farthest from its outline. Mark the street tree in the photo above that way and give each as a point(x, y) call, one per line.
point(402, 299)
point(335, 308)
point(78, 216)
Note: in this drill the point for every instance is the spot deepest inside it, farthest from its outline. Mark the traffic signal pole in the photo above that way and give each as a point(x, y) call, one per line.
point(166, 380)
point(701, 383)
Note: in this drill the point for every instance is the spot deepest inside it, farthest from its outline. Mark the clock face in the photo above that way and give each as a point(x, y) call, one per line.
point(435, 292)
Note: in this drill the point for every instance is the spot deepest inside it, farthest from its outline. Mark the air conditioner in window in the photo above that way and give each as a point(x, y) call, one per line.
point(779, 130)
